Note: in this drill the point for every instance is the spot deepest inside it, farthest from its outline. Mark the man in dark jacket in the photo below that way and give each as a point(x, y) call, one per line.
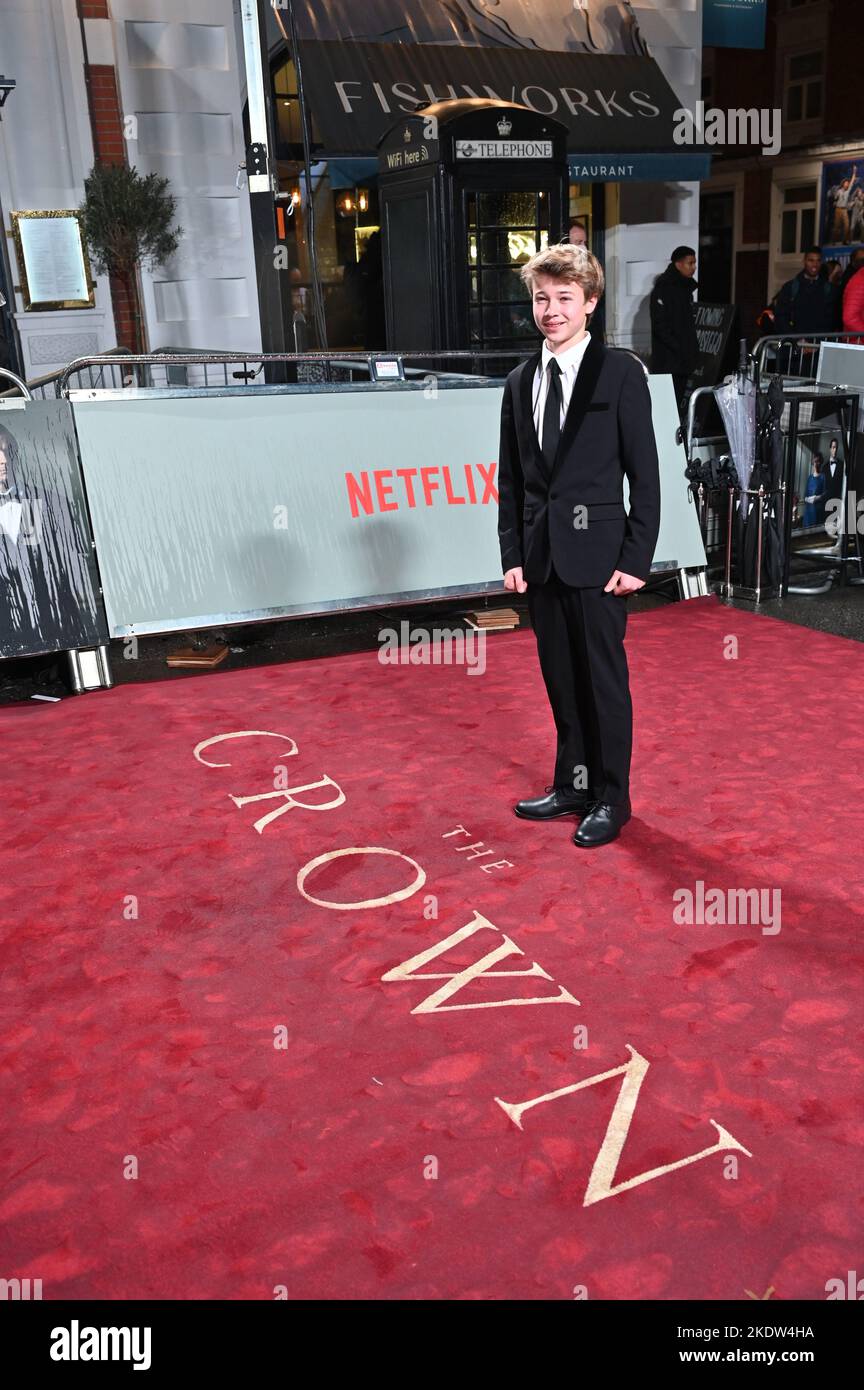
point(808, 303)
point(674, 345)
point(575, 421)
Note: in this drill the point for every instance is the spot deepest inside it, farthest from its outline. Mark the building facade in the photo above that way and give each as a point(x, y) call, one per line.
point(161, 85)
point(155, 83)
point(760, 215)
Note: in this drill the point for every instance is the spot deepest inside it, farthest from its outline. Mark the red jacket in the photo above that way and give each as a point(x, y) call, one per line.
point(853, 305)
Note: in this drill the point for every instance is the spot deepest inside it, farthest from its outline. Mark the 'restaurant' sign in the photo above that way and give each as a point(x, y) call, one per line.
point(503, 149)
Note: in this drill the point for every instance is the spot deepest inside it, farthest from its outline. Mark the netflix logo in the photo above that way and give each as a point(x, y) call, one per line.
point(391, 489)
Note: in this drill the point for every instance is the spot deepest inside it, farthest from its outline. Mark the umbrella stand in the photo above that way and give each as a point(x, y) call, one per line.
point(763, 497)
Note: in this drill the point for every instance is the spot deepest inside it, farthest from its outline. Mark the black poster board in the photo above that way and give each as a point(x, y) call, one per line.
point(49, 586)
point(713, 329)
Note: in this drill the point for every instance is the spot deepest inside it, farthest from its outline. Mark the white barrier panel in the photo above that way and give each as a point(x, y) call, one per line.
point(236, 507)
point(842, 365)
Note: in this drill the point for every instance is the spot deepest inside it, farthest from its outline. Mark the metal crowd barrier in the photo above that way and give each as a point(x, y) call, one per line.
point(715, 506)
point(104, 372)
point(21, 385)
point(795, 354)
point(143, 370)
point(43, 388)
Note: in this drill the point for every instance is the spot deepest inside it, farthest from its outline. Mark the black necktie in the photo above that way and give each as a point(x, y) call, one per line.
point(552, 413)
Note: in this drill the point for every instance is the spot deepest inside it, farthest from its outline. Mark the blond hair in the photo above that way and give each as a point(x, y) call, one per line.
point(572, 263)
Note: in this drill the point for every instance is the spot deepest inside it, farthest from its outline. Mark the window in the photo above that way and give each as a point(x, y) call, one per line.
point(804, 87)
point(798, 218)
point(504, 229)
point(286, 108)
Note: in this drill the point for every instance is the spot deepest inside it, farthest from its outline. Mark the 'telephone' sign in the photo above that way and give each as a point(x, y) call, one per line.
point(503, 149)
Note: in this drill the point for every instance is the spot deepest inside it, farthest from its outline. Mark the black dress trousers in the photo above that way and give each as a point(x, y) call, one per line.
point(580, 643)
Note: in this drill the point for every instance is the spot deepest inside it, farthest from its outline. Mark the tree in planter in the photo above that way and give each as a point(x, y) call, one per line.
point(127, 223)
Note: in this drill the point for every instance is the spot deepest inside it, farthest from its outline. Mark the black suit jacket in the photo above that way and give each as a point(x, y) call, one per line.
point(833, 486)
point(607, 433)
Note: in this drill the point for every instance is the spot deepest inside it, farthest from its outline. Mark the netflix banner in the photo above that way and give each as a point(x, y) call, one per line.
point(260, 506)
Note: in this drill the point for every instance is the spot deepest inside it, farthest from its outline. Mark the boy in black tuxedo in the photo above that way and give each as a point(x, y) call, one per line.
point(576, 417)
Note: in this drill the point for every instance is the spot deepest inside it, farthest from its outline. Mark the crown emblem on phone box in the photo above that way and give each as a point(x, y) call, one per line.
point(504, 126)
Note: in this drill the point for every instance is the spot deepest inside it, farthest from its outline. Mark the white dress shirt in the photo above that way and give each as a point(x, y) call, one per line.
point(569, 362)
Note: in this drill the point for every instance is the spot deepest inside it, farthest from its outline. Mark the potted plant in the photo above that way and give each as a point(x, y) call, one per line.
point(127, 222)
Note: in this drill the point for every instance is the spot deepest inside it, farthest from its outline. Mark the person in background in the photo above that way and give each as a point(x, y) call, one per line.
point(808, 303)
point(833, 272)
point(853, 303)
point(765, 320)
point(299, 293)
point(674, 345)
point(855, 262)
point(578, 236)
point(814, 494)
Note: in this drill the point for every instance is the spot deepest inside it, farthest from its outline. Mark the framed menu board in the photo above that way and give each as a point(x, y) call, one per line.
point(52, 260)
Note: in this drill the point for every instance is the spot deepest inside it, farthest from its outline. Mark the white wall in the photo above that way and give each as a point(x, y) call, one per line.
point(180, 76)
point(45, 155)
point(655, 218)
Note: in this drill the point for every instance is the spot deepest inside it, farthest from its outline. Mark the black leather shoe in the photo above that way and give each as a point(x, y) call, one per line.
point(602, 822)
point(559, 801)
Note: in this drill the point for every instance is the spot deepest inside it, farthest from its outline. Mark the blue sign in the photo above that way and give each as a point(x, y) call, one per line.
point(733, 23)
point(621, 168)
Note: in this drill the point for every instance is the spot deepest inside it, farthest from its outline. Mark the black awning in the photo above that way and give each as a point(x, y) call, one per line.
point(356, 91)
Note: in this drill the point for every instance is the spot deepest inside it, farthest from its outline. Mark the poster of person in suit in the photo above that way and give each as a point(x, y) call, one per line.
point(842, 228)
point(49, 591)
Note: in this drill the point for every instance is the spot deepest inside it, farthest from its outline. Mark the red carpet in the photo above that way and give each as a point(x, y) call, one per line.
point(156, 947)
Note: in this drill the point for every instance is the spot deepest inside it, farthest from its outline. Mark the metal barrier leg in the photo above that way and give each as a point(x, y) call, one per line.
point(75, 672)
point(692, 583)
point(89, 669)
